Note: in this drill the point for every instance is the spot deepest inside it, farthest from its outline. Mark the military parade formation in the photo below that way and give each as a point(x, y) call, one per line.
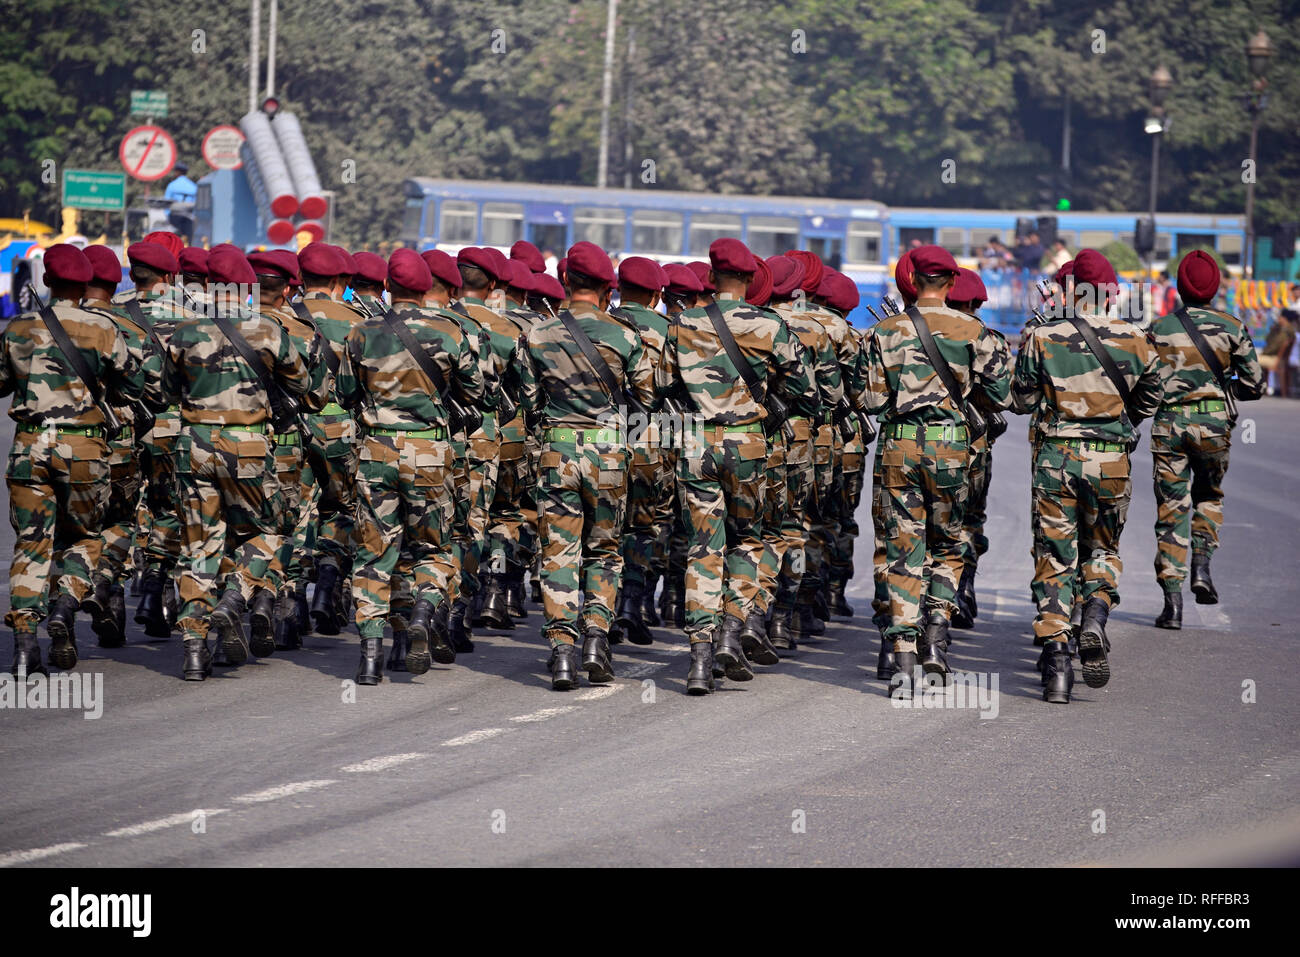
point(271, 445)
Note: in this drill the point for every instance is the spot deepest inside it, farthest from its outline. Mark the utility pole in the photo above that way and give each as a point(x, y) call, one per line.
point(270, 52)
point(627, 108)
point(606, 95)
point(254, 53)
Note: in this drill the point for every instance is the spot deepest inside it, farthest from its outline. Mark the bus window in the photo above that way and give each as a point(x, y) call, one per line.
point(1230, 248)
point(656, 231)
point(1097, 238)
point(458, 222)
point(953, 240)
point(864, 243)
point(1187, 242)
point(772, 235)
point(549, 236)
point(413, 219)
point(827, 250)
point(600, 225)
point(503, 223)
point(706, 227)
point(907, 234)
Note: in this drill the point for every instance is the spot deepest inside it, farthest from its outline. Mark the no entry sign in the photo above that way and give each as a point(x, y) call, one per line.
point(147, 153)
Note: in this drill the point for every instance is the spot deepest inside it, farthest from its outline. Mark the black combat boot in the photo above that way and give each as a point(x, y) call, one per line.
point(885, 660)
point(27, 655)
point(117, 607)
point(778, 630)
point(809, 624)
point(261, 623)
point(496, 612)
point(150, 610)
point(98, 605)
point(535, 589)
point(515, 592)
point(728, 653)
point(902, 681)
point(370, 669)
point(1171, 616)
point(629, 618)
point(171, 603)
point(564, 667)
point(964, 616)
point(428, 630)
point(1076, 622)
point(934, 645)
point(596, 658)
point(1093, 643)
point(302, 623)
point(62, 628)
point(676, 613)
point(458, 633)
point(397, 655)
point(1058, 672)
point(699, 679)
point(649, 608)
point(753, 639)
point(821, 608)
point(324, 603)
point(228, 622)
point(1202, 586)
point(286, 623)
point(838, 603)
point(196, 665)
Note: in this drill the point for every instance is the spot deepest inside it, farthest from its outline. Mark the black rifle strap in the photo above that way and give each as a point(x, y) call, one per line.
point(422, 358)
point(136, 313)
point(1108, 364)
point(745, 370)
point(1203, 347)
point(247, 353)
point(300, 309)
point(73, 357)
point(459, 307)
point(594, 358)
point(940, 364)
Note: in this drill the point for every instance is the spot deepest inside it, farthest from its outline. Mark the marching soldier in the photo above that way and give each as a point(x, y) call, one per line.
point(368, 283)
point(58, 473)
point(400, 371)
point(576, 369)
point(1089, 379)
point(722, 483)
point(1208, 361)
point(922, 368)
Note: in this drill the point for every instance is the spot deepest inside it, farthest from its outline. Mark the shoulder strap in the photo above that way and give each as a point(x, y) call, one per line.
point(422, 359)
point(594, 358)
point(136, 313)
point(1203, 347)
point(1103, 356)
point(247, 353)
point(73, 357)
point(625, 318)
point(936, 358)
point(302, 312)
point(459, 307)
point(746, 371)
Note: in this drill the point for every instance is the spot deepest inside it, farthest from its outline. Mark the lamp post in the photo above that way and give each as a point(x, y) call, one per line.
point(1258, 51)
point(1156, 125)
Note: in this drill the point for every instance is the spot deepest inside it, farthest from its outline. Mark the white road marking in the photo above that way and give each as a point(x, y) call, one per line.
point(382, 763)
point(22, 857)
point(604, 691)
point(544, 715)
point(147, 827)
point(283, 790)
point(640, 669)
point(474, 737)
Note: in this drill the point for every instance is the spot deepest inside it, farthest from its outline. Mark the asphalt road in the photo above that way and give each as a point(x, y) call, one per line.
point(480, 763)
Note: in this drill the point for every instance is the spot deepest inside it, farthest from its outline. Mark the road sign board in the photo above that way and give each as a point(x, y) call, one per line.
point(147, 153)
point(92, 189)
point(149, 103)
point(221, 147)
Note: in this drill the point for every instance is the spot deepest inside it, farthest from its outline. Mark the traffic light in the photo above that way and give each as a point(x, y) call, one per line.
point(1055, 190)
point(1144, 234)
point(270, 106)
point(1024, 226)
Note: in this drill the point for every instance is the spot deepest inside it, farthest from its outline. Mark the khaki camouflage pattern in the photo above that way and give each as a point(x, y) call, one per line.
point(775, 513)
point(1186, 377)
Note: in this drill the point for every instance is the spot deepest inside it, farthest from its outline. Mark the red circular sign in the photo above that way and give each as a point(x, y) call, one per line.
point(148, 153)
point(221, 147)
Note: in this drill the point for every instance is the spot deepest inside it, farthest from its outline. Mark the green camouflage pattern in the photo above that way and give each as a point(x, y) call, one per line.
point(1187, 378)
point(1189, 453)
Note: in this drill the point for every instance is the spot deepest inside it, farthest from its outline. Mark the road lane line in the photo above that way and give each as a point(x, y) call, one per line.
point(185, 817)
point(544, 715)
point(23, 857)
point(473, 737)
point(641, 669)
point(283, 790)
point(382, 763)
point(604, 691)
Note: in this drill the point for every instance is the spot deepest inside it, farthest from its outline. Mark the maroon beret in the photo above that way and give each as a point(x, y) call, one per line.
point(813, 268)
point(729, 254)
point(592, 261)
point(759, 290)
point(275, 262)
point(154, 255)
point(969, 287)
point(321, 259)
point(544, 284)
point(406, 268)
point(1093, 269)
point(169, 241)
point(68, 263)
point(349, 263)
point(933, 260)
point(480, 257)
point(903, 277)
point(643, 272)
point(561, 269)
point(371, 267)
point(1198, 276)
point(519, 274)
point(106, 266)
point(681, 280)
point(194, 260)
point(787, 275)
point(1063, 273)
point(839, 291)
point(702, 270)
point(525, 252)
point(443, 267)
point(228, 264)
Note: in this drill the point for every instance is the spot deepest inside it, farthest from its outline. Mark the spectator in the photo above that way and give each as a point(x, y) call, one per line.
point(1030, 253)
point(1060, 255)
point(1276, 355)
point(996, 255)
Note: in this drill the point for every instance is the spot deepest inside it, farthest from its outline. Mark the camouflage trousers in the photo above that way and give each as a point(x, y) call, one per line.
point(923, 501)
point(120, 514)
point(880, 594)
point(799, 515)
point(504, 534)
point(775, 505)
point(581, 500)
point(232, 508)
point(672, 560)
point(332, 457)
point(1189, 452)
point(58, 490)
point(650, 515)
point(974, 542)
point(823, 528)
point(289, 472)
point(162, 492)
point(723, 487)
point(476, 487)
point(846, 493)
point(1081, 499)
point(405, 515)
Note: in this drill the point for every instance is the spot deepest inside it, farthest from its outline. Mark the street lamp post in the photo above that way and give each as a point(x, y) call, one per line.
point(1258, 51)
point(1156, 125)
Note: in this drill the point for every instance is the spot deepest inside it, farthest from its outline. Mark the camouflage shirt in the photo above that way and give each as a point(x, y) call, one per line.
point(334, 319)
point(311, 345)
point(216, 386)
point(560, 388)
point(1062, 383)
point(818, 346)
point(696, 366)
point(1187, 378)
point(143, 350)
point(379, 375)
point(652, 327)
point(848, 346)
point(45, 389)
point(902, 386)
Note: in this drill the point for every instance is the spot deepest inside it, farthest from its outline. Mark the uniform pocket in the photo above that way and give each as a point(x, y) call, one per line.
point(252, 459)
point(19, 468)
point(754, 447)
point(1049, 468)
point(1115, 483)
point(950, 468)
point(613, 471)
point(88, 471)
point(893, 468)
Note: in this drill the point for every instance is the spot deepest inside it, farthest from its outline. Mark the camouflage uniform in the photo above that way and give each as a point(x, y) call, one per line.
point(924, 455)
point(974, 542)
point(1191, 433)
point(1081, 484)
point(583, 466)
point(58, 471)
